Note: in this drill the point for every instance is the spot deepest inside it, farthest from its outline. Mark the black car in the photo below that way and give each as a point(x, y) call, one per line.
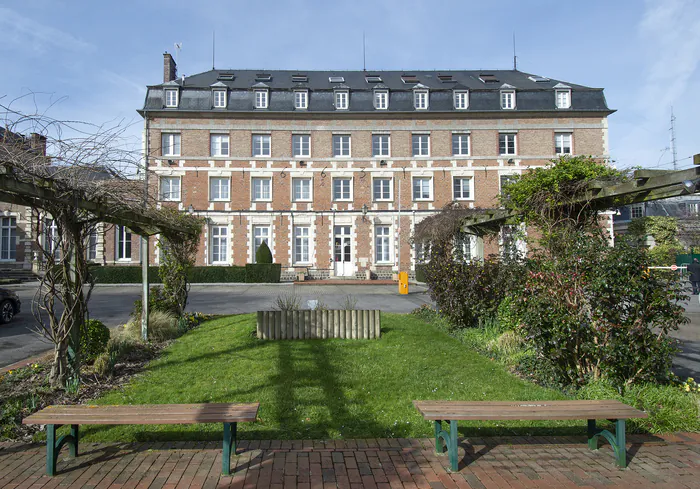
point(9, 305)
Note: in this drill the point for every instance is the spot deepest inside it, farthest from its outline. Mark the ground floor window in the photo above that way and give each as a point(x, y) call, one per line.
point(219, 244)
point(260, 234)
point(301, 244)
point(123, 243)
point(383, 244)
point(8, 238)
point(92, 245)
point(463, 247)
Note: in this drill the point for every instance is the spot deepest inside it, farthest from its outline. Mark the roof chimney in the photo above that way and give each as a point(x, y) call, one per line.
point(37, 143)
point(169, 68)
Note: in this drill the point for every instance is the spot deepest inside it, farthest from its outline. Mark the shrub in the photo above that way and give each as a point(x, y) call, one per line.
point(420, 273)
point(263, 272)
point(263, 254)
point(157, 301)
point(195, 275)
point(214, 275)
point(120, 347)
point(94, 336)
point(349, 303)
point(162, 326)
point(287, 302)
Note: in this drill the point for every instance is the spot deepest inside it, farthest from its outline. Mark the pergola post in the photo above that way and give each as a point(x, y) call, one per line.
point(144, 284)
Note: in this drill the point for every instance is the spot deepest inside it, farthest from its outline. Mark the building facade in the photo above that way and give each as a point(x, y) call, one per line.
point(334, 169)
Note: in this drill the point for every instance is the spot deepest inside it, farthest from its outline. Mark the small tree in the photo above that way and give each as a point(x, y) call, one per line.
point(263, 254)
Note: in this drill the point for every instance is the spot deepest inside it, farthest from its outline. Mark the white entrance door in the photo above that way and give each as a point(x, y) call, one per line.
point(341, 251)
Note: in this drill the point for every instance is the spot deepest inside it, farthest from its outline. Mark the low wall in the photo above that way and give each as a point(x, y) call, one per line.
point(308, 324)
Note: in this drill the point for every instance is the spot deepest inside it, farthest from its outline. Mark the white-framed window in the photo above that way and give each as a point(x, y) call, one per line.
point(422, 251)
point(382, 188)
point(461, 99)
point(421, 144)
point(8, 238)
point(301, 99)
point(261, 234)
point(563, 99)
point(422, 188)
point(506, 179)
point(219, 144)
point(52, 244)
point(171, 97)
point(341, 99)
point(506, 143)
point(220, 99)
point(220, 188)
point(262, 145)
point(637, 211)
point(342, 188)
point(219, 244)
point(507, 99)
point(462, 188)
point(262, 189)
point(92, 245)
point(381, 145)
point(301, 145)
point(562, 143)
point(301, 189)
point(420, 99)
point(261, 99)
point(170, 143)
point(302, 244)
point(381, 99)
point(341, 145)
point(123, 243)
point(463, 247)
point(382, 241)
point(460, 144)
point(170, 189)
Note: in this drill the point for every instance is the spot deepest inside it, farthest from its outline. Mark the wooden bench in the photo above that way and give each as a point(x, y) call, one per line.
point(452, 411)
point(55, 416)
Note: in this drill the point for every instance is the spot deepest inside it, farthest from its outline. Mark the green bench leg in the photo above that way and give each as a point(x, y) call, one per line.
point(617, 441)
point(450, 442)
point(53, 446)
point(229, 447)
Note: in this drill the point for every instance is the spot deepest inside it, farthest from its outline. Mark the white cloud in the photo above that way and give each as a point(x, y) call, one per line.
point(21, 33)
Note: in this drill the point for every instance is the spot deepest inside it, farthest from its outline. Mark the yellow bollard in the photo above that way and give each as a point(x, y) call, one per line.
point(403, 283)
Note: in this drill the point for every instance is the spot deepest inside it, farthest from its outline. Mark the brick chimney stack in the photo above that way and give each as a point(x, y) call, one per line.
point(37, 143)
point(169, 68)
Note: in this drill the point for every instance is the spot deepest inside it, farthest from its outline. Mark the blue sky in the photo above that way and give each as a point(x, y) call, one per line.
point(94, 59)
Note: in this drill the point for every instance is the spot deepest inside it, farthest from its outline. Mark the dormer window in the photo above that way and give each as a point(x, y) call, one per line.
point(373, 78)
point(563, 99)
point(220, 99)
point(171, 98)
point(261, 99)
point(420, 99)
point(461, 99)
point(301, 99)
point(381, 99)
point(341, 99)
point(300, 78)
point(508, 99)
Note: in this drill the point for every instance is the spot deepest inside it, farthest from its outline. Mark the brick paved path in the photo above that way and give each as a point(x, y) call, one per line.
point(666, 462)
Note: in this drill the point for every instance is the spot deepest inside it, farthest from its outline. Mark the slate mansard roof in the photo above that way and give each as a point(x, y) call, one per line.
point(533, 93)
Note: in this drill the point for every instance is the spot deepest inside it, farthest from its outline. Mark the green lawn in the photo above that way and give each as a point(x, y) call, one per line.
point(323, 389)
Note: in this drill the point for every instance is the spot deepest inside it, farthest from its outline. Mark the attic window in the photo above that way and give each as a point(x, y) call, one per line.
point(225, 76)
point(538, 79)
point(263, 77)
point(336, 79)
point(373, 79)
point(487, 78)
point(409, 78)
point(300, 78)
point(445, 78)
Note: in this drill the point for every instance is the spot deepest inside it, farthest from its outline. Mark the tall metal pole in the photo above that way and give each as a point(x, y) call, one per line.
point(144, 239)
point(399, 230)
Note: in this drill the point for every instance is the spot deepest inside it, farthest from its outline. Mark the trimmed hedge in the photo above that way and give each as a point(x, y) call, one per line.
point(263, 273)
point(420, 273)
point(198, 275)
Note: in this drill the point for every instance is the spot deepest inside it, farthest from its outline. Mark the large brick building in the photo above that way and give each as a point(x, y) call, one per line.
point(334, 168)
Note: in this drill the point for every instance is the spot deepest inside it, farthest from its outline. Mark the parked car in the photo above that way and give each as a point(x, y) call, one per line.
point(9, 305)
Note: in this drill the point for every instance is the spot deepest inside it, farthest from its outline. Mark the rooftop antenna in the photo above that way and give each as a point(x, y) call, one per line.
point(178, 47)
point(364, 57)
point(673, 140)
point(213, 49)
point(515, 58)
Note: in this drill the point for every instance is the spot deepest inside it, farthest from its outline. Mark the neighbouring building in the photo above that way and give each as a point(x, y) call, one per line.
point(333, 169)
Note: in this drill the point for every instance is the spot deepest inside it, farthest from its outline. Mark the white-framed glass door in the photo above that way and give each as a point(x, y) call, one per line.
point(342, 251)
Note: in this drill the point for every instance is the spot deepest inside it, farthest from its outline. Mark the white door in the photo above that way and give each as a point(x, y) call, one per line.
point(341, 252)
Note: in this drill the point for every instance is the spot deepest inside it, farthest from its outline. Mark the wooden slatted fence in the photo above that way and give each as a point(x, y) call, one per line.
point(312, 324)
